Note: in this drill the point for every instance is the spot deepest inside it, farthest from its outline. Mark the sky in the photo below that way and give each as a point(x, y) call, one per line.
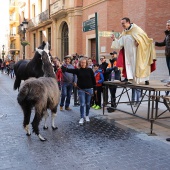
point(4, 26)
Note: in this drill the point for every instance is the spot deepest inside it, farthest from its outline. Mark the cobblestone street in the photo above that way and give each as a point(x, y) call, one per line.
point(99, 145)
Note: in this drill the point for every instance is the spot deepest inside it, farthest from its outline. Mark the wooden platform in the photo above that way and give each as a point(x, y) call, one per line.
point(153, 85)
point(150, 93)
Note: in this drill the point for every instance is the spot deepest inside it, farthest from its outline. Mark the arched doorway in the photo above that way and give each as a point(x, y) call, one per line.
point(64, 41)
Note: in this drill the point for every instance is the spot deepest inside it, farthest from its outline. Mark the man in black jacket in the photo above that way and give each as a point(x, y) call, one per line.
point(166, 43)
point(103, 66)
point(113, 89)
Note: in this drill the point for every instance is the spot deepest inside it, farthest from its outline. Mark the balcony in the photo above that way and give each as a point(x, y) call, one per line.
point(57, 8)
point(39, 19)
point(12, 36)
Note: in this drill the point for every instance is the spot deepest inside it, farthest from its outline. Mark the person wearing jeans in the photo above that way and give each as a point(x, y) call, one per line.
point(66, 93)
point(136, 93)
point(68, 80)
point(86, 84)
point(84, 99)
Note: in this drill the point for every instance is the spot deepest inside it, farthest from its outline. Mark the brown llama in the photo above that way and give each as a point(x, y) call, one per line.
point(42, 94)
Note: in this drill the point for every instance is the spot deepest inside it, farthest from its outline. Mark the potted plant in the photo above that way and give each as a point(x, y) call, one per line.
point(25, 43)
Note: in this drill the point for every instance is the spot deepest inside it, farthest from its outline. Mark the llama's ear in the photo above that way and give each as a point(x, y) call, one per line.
point(39, 51)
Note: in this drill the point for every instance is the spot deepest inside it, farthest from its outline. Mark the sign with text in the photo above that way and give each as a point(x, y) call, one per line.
point(108, 34)
point(89, 25)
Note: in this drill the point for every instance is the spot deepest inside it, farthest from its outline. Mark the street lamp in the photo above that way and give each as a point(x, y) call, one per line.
point(3, 52)
point(24, 26)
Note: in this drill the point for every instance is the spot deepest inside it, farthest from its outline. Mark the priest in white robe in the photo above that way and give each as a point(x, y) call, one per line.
point(139, 52)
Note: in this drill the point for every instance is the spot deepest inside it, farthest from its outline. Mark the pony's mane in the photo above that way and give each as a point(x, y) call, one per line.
point(43, 46)
point(47, 65)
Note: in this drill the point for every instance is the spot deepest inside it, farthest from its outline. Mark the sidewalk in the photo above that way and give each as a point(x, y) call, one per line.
point(161, 127)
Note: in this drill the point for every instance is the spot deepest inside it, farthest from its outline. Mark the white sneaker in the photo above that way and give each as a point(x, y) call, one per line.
point(87, 119)
point(81, 121)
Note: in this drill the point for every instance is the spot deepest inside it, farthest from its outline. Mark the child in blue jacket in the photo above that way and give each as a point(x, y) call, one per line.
point(99, 80)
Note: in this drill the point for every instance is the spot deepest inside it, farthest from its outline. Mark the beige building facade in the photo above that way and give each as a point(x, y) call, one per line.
point(60, 23)
point(55, 22)
point(14, 38)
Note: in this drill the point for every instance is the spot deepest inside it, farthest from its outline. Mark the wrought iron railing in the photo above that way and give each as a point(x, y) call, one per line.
point(12, 35)
point(44, 16)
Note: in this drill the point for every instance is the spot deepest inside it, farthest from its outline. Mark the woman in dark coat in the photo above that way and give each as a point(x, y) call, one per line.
point(86, 84)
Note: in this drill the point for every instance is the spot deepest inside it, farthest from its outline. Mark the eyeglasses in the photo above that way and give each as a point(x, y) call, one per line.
point(101, 58)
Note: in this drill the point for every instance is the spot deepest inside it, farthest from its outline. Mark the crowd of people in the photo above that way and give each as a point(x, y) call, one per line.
point(81, 74)
point(7, 67)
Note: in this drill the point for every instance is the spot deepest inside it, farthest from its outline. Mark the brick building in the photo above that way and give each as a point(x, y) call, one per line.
point(60, 23)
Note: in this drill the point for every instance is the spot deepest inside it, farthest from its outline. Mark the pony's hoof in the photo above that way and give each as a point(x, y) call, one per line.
point(41, 138)
point(45, 127)
point(28, 134)
point(54, 128)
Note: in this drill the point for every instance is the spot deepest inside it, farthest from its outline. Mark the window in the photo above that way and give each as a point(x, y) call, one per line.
point(34, 41)
point(33, 11)
point(49, 36)
point(65, 40)
point(40, 6)
point(41, 37)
